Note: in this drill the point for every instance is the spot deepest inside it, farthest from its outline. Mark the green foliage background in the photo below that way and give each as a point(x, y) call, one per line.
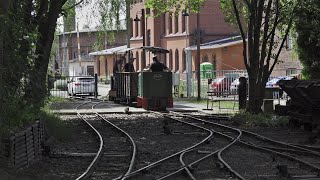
point(308, 37)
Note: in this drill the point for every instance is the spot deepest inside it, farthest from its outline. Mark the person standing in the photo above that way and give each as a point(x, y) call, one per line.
point(118, 65)
point(157, 66)
point(128, 67)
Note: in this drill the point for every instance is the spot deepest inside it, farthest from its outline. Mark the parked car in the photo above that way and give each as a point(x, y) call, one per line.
point(220, 84)
point(273, 82)
point(81, 85)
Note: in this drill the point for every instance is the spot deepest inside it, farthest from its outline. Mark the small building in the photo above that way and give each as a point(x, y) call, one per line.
point(84, 67)
point(88, 38)
point(104, 61)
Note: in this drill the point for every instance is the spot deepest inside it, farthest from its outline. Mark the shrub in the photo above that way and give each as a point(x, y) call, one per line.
point(266, 120)
point(61, 84)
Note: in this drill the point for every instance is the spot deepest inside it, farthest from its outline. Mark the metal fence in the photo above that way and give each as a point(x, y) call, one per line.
point(222, 81)
point(66, 86)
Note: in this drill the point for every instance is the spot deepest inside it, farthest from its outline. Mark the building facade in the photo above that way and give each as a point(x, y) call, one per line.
point(68, 50)
point(176, 33)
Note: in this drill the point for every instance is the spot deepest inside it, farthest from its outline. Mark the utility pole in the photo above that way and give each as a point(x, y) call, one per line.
point(79, 51)
point(143, 18)
point(198, 55)
point(128, 26)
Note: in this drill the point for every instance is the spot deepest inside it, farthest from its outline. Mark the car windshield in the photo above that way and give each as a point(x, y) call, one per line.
point(86, 79)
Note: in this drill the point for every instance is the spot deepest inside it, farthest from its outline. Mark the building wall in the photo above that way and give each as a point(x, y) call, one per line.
point(68, 44)
point(104, 65)
point(177, 32)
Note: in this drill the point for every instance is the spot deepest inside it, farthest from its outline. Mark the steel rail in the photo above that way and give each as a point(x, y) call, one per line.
point(222, 149)
point(86, 174)
point(185, 167)
point(258, 147)
point(131, 139)
point(189, 165)
point(175, 154)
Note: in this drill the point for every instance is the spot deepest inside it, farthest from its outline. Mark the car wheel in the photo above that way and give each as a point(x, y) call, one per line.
point(90, 94)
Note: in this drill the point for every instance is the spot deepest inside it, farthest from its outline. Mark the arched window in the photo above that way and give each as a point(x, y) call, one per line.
point(170, 60)
point(137, 61)
point(136, 28)
point(183, 18)
point(164, 24)
point(184, 60)
point(214, 61)
point(170, 23)
point(176, 61)
point(131, 27)
point(176, 24)
point(205, 58)
point(141, 27)
point(143, 63)
point(98, 66)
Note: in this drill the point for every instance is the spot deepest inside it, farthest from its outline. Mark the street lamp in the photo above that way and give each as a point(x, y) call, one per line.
point(198, 54)
point(143, 33)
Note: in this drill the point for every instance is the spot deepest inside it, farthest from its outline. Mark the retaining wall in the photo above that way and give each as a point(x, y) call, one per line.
point(25, 147)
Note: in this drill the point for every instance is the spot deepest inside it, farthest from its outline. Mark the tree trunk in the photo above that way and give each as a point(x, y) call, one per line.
point(37, 89)
point(3, 10)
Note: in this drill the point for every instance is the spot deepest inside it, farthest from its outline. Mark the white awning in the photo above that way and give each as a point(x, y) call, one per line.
point(108, 51)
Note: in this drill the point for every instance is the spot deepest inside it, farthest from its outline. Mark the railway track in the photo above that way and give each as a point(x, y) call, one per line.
point(226, 150)
point(285, 159)
point(117, 150)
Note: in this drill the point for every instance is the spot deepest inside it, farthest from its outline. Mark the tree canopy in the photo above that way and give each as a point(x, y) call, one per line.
point(264, 27)
point(308, 37)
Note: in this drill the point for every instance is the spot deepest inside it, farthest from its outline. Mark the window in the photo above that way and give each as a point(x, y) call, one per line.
point(148, 37)
point(184, 23)
point(176, 24)
point(131, 27)
point(170, 23)
point(289, 42)
point(164, 24)
point(170, 59)
point(205, 59)
point(143, 62)
point(184, 60)
point(176, 62)
point(141, 27)
point(136, 29)
point(137, 61)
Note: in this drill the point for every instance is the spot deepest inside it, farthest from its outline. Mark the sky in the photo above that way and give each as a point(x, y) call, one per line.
point(86, 16)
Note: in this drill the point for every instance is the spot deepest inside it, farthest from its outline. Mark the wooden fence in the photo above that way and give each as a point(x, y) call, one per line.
point(25, 147)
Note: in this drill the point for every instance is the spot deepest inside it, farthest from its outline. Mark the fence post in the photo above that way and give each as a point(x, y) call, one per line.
point(242, 91)
point(95, 85)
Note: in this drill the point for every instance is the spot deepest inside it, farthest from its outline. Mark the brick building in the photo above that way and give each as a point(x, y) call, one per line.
point(68, 49)
point(176, 33)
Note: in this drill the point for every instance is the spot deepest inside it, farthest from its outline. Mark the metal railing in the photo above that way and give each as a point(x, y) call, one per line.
point(66, 86)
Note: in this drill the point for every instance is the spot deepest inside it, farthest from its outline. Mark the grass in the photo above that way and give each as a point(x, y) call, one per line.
point(19, 116)
point(243, 118)
point(265, 120)
point(223, 104)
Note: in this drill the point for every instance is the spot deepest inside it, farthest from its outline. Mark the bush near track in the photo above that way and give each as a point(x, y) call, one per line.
point(264, 120)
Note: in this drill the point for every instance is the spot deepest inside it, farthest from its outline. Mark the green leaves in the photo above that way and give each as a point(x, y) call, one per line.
point(308, 37)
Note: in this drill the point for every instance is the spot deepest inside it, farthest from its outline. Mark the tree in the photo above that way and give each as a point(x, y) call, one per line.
point(26, 36)
point(308, 39)
point(264, 27)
